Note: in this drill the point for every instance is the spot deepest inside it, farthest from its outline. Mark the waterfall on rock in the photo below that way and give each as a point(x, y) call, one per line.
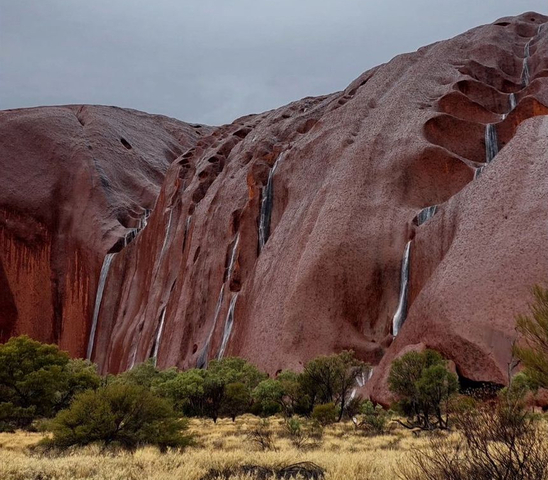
point(228, 326)
point(158, 264)
point(166, 237)
point(202, 359)
point(266, 205)
point(513, 101)
point(361, 381)
point(426, 214)
point(491, 142)
point(98, 298)
point(491, 147)
point(232, 261)
point(158, 338)
point(401, 312)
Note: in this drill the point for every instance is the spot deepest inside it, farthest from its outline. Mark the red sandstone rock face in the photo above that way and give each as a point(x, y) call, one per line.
point(74, 179)
point(352, 171)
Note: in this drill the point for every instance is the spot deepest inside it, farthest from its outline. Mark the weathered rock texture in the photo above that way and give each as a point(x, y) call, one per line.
point(74, 180)
point(352, 172)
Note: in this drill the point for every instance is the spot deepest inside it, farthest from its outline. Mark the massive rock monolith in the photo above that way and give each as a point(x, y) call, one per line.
point(281, 236)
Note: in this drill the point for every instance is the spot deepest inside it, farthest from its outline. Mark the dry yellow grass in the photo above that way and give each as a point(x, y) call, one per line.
point(344, 453)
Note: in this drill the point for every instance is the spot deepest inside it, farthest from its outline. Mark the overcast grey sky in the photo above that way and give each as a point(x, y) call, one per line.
point(211, 61)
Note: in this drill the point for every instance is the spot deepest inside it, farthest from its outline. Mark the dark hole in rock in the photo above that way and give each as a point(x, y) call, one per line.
point(194, 348)
point(125, 143)
point(478, 389)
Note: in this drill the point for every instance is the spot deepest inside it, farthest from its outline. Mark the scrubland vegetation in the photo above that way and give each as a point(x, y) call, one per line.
point(61, 420)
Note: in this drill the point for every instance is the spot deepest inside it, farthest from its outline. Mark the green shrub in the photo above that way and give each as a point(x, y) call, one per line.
point(325, 414)
point(303, 433)
point(236, 401)
point(424, 387)
point(118, 414)
point(186, 391)
point(38, 380)
point(374, 418)
point(330, 379)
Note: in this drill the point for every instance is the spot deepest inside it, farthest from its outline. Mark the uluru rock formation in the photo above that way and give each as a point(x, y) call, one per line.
point(407, 211)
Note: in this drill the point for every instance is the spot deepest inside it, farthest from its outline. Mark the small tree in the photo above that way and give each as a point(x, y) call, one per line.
point(185, 390)
point(237, 400)
point(120, 414)
point(424, 386)
point(37, 380)
point(330, 379)
point(229, 370)
point(532, 351)
point(285, 391)
point(269, 392)
point(80, 375)
point(294, 399)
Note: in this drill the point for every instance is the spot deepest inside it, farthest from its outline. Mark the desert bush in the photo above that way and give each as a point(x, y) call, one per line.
point(424, 387)
point(118, 414)
point(262, 436)
point(498, 441)
point(269, 393)
point(303, 433)
point(373, 418)
point(325, 414)
point(229, 370)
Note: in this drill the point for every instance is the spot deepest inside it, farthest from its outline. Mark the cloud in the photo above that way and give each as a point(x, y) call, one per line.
point(212, 61)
